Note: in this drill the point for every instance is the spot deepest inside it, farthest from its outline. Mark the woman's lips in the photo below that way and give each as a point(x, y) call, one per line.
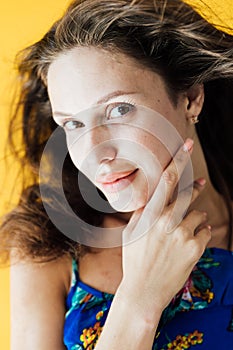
point(120, 183)
point(111, 177)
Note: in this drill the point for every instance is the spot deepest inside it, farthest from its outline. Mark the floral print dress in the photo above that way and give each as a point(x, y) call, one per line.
point(200, 316)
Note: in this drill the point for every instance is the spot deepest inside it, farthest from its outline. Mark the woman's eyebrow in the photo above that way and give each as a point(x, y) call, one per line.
point(117, 93)
point(58, 114)
point(103, 99)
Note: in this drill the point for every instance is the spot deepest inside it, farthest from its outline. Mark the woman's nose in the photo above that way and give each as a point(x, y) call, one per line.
point(107, 153)
point(102, 145)
point(99, 143)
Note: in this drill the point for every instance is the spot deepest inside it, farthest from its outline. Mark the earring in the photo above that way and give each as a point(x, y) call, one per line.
point(194, 120)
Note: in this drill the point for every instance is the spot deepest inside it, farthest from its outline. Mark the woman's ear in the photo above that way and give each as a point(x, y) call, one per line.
point(194, 101)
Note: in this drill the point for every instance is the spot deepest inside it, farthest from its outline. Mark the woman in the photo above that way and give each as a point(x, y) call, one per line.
point(127, 81)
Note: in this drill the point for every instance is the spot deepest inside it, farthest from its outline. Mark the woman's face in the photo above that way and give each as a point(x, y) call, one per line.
point(119, 145)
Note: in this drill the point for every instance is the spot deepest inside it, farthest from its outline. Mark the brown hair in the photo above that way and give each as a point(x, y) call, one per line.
point(170, 38)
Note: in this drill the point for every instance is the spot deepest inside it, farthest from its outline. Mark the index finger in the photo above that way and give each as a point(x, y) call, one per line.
point(168, 181)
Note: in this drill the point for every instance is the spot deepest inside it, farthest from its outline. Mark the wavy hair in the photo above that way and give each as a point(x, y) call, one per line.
point(168, 37)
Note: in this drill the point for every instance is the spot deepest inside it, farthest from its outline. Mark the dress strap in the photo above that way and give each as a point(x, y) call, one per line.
point(75, 275)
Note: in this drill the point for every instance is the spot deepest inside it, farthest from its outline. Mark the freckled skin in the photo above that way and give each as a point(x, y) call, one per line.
point(77, 79)
point(82, 76)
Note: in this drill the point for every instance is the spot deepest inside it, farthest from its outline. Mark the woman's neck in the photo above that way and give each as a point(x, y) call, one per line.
point(210, 200)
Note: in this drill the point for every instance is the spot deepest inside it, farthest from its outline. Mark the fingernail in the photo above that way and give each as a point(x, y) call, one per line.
point(188, 145)
point(209, 227)
point(201, 181)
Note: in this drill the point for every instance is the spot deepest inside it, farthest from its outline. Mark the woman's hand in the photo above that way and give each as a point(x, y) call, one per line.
point(157, 264)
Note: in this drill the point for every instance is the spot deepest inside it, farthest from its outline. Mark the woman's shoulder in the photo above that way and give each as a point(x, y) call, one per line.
point(56, 272)
point(38, 292)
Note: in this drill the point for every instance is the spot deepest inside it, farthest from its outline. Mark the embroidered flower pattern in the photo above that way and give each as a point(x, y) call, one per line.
point(90, 335)
point(185, 341)
point(89, 310)
point(196, 294)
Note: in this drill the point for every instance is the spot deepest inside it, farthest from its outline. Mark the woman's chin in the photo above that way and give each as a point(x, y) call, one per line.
point(127, 205)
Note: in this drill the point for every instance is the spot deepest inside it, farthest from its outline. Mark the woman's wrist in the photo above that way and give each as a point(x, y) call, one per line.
point(129, 317)
point(148, 309)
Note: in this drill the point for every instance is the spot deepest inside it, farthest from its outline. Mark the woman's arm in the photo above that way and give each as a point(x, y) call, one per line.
point(155, 265)
point(38, 294)
point(127, 326)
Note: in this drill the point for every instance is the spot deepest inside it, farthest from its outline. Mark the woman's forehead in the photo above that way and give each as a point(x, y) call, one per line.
point(97, 77)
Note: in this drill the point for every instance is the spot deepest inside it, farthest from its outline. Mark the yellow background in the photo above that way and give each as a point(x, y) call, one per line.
point(22, 23)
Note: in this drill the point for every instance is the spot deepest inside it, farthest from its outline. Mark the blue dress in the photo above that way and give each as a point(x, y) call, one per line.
point(200, 316)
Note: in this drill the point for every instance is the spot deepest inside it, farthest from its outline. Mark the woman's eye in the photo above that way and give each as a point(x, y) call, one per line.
point(120, 110)
point(72, 125)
